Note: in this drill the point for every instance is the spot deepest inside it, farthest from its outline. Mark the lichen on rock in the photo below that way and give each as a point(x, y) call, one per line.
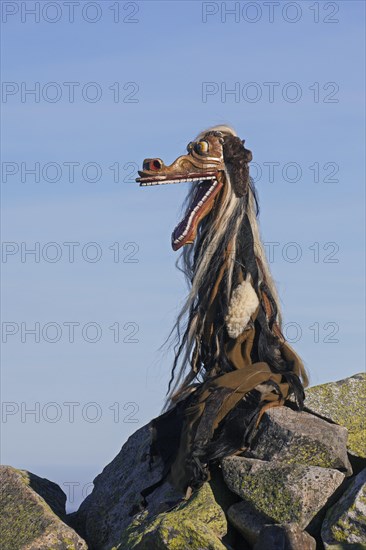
point(294, 437)
point(28, 520)
point(345, 522)
point(283, 493)
point(195, 524)
point(343, 402)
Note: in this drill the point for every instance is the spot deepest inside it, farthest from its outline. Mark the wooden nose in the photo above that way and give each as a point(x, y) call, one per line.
point(152, 164)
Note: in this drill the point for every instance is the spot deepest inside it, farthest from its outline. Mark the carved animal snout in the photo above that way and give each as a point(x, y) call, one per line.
point(152, 164)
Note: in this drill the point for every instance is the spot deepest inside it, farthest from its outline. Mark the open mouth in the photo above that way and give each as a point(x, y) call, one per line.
point(200, 206)
point(207, 187)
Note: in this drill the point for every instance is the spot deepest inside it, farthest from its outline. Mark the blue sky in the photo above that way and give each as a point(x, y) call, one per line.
point(164, 66)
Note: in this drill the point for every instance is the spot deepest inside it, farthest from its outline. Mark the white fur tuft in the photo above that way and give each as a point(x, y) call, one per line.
point(243, 303)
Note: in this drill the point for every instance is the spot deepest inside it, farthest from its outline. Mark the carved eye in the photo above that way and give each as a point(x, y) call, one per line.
point(201, 147)
point(190, 146)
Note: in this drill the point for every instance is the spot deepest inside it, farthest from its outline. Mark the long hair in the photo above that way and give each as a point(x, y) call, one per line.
point(227, 242)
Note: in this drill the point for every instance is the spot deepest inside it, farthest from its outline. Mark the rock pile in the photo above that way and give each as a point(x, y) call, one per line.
point(302, 486)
